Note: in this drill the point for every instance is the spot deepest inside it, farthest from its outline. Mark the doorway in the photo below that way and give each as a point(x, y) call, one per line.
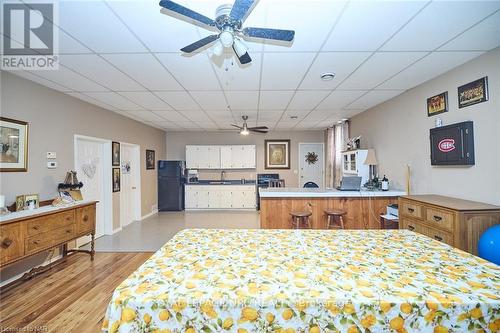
point(312, 163)
point(92, 161)
point(130, 192)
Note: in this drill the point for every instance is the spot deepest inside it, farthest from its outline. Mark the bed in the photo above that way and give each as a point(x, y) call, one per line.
point(307, 281)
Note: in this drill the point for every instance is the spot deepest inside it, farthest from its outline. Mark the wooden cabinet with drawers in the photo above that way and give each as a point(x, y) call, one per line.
point(459, 223)
point(23, 235)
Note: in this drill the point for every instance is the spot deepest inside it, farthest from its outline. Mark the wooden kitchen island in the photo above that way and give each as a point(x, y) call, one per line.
point(363, 207)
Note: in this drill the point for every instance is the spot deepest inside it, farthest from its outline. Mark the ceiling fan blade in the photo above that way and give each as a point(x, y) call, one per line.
point(202, 42)
point(244, 59)
point(236, 126)
point(241, 9)
point(276, 34)
point(258, 131)
point(170, 5)
point(259, 128)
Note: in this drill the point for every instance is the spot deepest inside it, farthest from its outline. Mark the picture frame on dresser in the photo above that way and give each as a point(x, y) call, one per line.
point(13, 145)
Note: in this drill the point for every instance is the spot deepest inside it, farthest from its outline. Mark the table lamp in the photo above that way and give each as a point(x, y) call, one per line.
point(371, 161)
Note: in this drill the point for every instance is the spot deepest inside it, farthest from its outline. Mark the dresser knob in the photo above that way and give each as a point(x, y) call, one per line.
point(6, 243)
point(437, 218)
point(35, 227)
point(411, 227)
point(68, 231)
point(86, 218)
point(411, 210)
point(438, 238)
point(35, 242)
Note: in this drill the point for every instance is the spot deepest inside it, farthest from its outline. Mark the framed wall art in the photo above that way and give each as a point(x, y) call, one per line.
point(150, 159)
point(116, 179)
point(13, 145)
point(277, 154)
point(115, 147)
point(437, 104)
point(473, 93)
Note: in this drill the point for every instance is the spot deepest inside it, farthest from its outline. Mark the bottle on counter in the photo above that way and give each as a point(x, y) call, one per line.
point(385, 184)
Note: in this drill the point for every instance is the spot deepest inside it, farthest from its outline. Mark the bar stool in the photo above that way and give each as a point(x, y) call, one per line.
point(331, 214)
point(276, 183)
point(299, 218)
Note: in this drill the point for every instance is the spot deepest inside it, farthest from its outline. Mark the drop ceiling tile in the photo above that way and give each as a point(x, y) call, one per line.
point(430, 28)
point(197, 116)
point(171, 115)
point(282, 71)
point(340, 98)
point(234, 76)
point(35, 78)
point(88, 20)
point(98, 70)
point(163, 125)
point(243, 100)
point(307, 100)
point(114, 100)
point(317, 115)
point(286, 125)
point(145, 69)
point(207, 125)
point(179, 100)
point(269, 115)
point(146, 116)
point(221, 116)
point(93, 101)
point(427, 68)
point(194, 72)
point(274, 100)
point(484, 36)
point(69, 45)
point(187, 124)
point(210, 100)
point(373, 98)
point(68, 78)
point(366, 25)
point(309, 33)
point(158, 31)
point(340, 63)
point(381, 66)
point(146, 100)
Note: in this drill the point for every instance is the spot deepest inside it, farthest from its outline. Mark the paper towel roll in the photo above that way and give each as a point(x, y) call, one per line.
point(2, 201)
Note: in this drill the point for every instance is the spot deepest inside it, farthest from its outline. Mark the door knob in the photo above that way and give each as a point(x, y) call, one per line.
point(134, 188)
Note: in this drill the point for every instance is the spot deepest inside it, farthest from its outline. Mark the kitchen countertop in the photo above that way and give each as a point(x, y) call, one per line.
point(290, 192)
point(226, 182)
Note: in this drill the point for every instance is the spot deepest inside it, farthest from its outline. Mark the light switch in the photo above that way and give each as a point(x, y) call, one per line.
point(51, 154)
point(52, 164)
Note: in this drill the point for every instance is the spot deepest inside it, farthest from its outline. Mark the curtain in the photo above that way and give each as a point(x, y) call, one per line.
point(336, 138)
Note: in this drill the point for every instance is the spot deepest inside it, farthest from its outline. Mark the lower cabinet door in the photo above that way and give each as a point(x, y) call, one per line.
point(225, 198)
point(203, 199)
point(11, 241)
point(191, 197)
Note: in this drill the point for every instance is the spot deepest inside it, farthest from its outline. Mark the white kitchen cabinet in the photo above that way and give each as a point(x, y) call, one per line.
point(353, 164)
point(220, 197)
point(221, 157)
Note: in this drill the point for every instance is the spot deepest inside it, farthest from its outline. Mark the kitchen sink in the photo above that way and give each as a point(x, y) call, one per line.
point(219, 182)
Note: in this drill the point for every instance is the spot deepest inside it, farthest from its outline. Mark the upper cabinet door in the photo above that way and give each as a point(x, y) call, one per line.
point(250, 157)
point(192, 161)
point(226, 157)
point(221, 157)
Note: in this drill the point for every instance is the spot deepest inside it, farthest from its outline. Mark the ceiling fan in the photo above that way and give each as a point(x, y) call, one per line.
point(229, 20)
point(245, 130)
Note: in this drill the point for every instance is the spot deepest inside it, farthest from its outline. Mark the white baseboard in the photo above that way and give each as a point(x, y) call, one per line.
point(117, 230)
point(46, 262)
point(153, 212)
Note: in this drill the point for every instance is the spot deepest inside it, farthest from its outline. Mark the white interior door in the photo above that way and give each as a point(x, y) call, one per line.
point(310, 170)
point(130, 183)
point(89, 161)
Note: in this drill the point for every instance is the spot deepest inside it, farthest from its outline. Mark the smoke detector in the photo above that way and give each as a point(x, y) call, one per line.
point(327, 76)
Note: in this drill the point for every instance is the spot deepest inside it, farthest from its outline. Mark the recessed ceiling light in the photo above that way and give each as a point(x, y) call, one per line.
point(327, 76)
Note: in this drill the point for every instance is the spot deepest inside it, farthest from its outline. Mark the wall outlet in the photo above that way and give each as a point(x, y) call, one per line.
point(51, 154)
point(52, 164)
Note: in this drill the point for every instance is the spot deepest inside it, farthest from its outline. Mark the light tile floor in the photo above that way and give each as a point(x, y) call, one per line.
point(150, 234)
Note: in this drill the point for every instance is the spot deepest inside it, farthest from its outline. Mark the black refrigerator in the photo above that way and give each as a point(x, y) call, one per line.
point(171, 180)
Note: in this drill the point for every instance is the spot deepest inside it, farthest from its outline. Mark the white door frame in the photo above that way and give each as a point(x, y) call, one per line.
point(107, 204)
point(323, 149)
point(137, 197)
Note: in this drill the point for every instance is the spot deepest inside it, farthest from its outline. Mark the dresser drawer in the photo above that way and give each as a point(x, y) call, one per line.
point(440, 235)
point(413, 226)
point(85, 219)
point(63, 234)
point(37, 243)
point(51, 222)
point(411, 209)
point(439, 218)
point(11, 242)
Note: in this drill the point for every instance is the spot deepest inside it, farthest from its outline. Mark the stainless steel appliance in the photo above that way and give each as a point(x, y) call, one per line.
point(171, 180)
point(263, 182)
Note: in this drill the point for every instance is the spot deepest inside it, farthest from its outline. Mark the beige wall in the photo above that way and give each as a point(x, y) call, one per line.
point(177, 141)
point(53, 119)
point(399, 131)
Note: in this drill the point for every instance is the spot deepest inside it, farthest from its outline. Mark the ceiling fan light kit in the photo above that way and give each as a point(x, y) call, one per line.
point(245, 130)
point(229, 21)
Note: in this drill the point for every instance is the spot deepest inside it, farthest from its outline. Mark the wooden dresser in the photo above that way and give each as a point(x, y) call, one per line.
point(25, 234)
point(459, 223)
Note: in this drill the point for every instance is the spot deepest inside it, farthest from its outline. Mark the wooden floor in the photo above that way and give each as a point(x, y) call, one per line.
point(71, 297)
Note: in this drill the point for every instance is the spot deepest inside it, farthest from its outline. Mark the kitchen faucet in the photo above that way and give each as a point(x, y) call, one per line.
point(222, 175)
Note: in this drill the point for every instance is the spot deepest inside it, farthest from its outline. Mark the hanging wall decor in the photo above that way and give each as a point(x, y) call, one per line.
point(13, 145)
point(437, 104)
point(277, 154)
point(311, 158)
point(150, 159)
point(473, 93)
point(115, 147)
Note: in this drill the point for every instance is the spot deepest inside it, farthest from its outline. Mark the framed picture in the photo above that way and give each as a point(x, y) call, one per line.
point(115, 148)
point(277, 154)
point(31, 199)
point(150, 159)
point(20, 203)
point(13, 145)
point(437, 104)
point(116, 179)
point(473, 93)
